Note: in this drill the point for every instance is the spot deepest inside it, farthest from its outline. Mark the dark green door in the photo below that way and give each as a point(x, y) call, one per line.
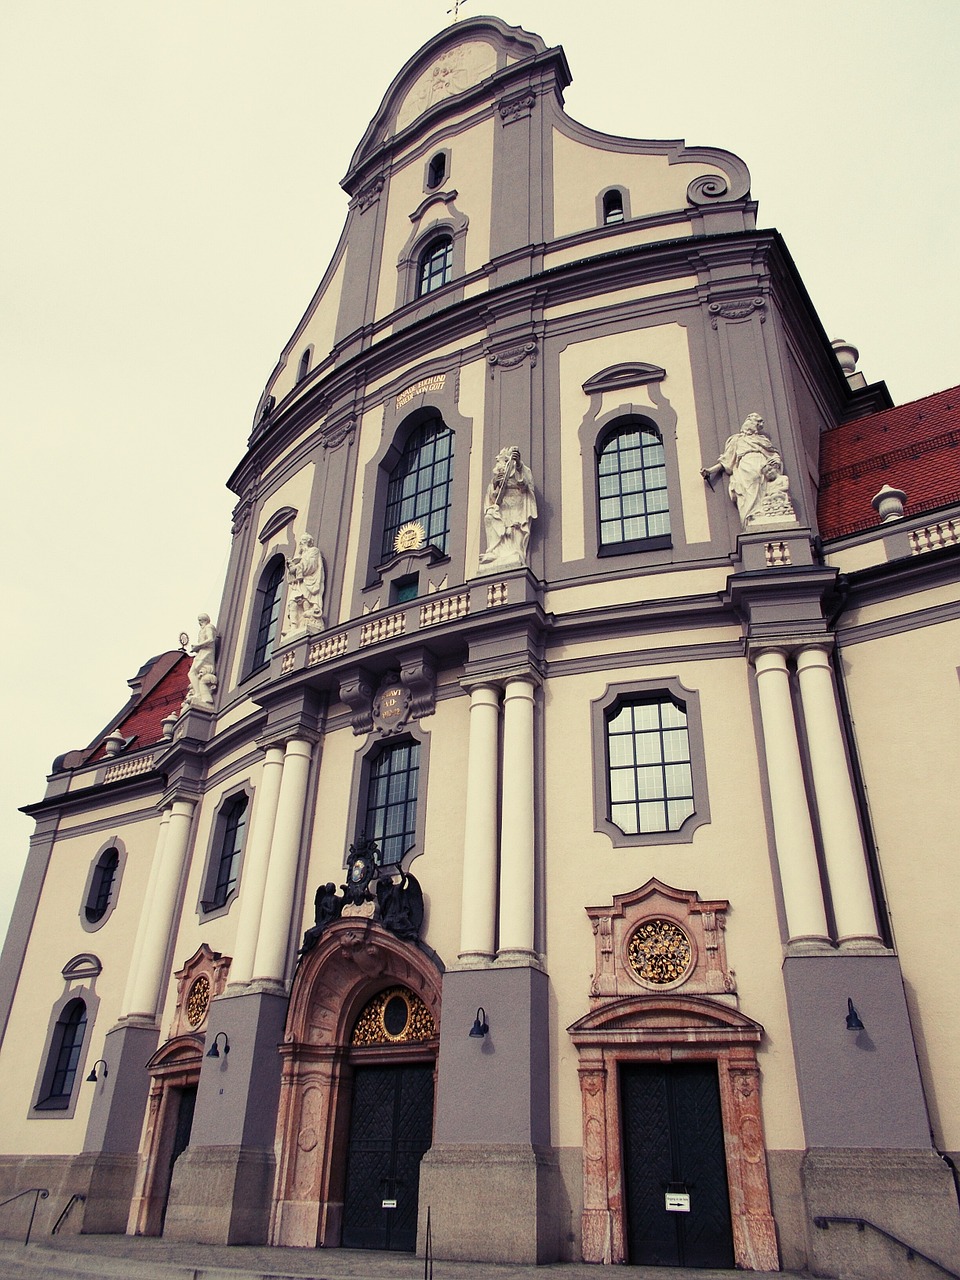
point(390, 1129)
point(673, 1144)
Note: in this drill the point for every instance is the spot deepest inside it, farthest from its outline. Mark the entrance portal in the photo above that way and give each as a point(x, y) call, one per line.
point(678, 1207)
point(390, 1129)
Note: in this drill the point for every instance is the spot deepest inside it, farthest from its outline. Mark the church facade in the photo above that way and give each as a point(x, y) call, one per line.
point(546, 845)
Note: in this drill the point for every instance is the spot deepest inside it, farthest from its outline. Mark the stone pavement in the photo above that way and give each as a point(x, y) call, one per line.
point(141, 1258)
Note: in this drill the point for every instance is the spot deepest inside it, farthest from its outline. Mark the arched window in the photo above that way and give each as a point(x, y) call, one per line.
point(390, 816)
point(304, 368)
point(419, 486)
point(612, 206)
point(60, 1072)
point(231, 845)
point(101, 886)
point(436, 170)
point(268, 611)
point(435, 266)
point(632, 490)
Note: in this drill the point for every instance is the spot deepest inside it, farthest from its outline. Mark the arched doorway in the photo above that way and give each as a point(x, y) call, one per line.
point(674, 1161)
point(361, 1042)
point(175, 1073)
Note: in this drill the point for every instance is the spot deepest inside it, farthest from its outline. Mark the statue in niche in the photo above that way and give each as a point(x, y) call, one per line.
point(203, 670)
point(305, 595)
point(400, 905)
point(510, 507)
point(757, 483)
point(326, 908)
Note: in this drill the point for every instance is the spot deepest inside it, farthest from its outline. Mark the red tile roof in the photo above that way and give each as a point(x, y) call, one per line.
point(144, 719)
point(914, 447)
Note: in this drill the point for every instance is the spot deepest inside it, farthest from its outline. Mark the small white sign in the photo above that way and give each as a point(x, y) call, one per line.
point(388, 1204)
point(677, 1201)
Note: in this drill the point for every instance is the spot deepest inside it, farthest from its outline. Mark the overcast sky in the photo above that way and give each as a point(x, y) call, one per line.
point(170, 199)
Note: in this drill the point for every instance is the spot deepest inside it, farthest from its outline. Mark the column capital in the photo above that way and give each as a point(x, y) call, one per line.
point(789, 646)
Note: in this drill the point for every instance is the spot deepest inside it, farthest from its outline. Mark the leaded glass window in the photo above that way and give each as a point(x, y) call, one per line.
point(268, 620)
point(649, 770)
point(435, 267)
point(632, 489)
point(419, 487)
point(391, 812)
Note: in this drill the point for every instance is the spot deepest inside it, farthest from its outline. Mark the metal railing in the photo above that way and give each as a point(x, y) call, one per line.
point(912, 1251)
point(38, 1193)
point(76, 1198)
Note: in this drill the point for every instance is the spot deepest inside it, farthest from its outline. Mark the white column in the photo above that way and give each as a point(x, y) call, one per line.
point(792, 828)
point(517, 830)
point(281, 881)
point(843, 850)
point(162, 912)
point(255, 863)
point(145, 912)
point(478, 911)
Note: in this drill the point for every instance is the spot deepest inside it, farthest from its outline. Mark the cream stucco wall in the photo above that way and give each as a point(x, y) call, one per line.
point(57, 937)
point(470, 174)
point(664, 345)
point(730, 858)
point(581, 172)
point(904, 693)
point(319, 329)
point(294, 493)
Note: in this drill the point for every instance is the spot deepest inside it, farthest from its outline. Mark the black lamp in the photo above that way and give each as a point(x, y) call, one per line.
point(480, 1025)
point(213, 1051)
point(92, 1078)
point(853, 1018)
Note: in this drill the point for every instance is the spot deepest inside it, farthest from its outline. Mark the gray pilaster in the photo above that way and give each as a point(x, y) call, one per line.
point(222, 1184)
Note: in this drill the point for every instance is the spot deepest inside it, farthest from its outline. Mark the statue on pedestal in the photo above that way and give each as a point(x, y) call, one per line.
point(203, 670)
point(757, 483)
point(305, 595)
point(510, 507)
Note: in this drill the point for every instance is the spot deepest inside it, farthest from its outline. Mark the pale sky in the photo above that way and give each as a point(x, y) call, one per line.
point(171, 197)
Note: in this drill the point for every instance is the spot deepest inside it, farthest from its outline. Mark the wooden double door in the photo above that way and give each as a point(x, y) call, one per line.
point(674, 1165)
point(391, 1128)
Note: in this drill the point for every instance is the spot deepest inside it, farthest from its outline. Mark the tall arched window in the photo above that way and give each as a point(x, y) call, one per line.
point(435, 266)
point(234, 820)
point(390, 816)
point(60, 1073)
point(632, 490)
point(268, 612)
point(304, 367)
point(419, 486)
point(101, 886)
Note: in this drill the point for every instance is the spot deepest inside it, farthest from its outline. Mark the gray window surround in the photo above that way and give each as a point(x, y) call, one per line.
point(211, 865)
point(398, 426)
point(305, 363)
point(594, 432)
point(51, 1046)
point(624, 196)
point(91, 926)
point(651, 543)
point(448, 222)
point(363, 760)
point(250, 665)
point(647, 691)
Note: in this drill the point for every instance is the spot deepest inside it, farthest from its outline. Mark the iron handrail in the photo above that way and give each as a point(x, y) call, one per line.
point(38, 1193)
point(76, 1198)
point(823, 1222)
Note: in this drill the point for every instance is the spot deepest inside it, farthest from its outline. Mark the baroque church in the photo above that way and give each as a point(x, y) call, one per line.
point(545, 845)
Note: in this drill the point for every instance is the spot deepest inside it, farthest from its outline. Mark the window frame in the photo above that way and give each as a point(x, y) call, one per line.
point(360, 789)
point(444, 154)
point(601, 201)
point(616, 696)
point(88, 924)
point(45, 1105)
point(305, 364)
point(207, 906)
point(387, 553)
point(260, 655)
point(448, 221)
point(652, 542)
point(425, 259)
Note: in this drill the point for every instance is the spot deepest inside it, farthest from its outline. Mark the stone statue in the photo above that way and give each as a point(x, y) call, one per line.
point(401, 905)
point(757, 483)
point(327, 906)
point(305, 595)
point(510, 507)
point(203, 670)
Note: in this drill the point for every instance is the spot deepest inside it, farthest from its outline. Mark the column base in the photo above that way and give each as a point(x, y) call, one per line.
point(493, 1203)
point(112, 1181)
point(910, 1194)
